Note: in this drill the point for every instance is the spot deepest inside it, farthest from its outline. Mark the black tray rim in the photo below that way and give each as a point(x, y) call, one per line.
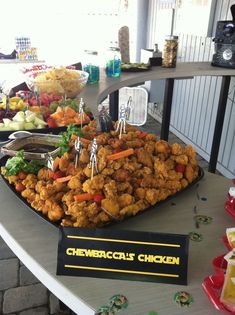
point(57, 224)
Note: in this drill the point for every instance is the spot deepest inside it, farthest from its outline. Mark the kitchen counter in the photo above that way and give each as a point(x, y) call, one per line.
point(35, 242)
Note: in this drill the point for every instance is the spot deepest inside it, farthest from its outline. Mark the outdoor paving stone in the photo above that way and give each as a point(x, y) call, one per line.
point(8, 273)
point(5, 251)
point(35, 311)
point(54, 303)
point(22, 298)
point(26, 276)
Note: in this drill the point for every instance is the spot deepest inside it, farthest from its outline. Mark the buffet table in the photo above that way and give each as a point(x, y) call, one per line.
point(95, 94)
point(35, 242)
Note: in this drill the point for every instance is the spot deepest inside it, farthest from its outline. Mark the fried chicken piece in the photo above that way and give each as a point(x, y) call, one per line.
point(184, 183)
point(130, 135)
point(92, 210)
point(29, 194)
point(170, 164)
point(38, 204)
point(181, 159)
point(162, 146)
point(144, 157)
point(190, 152)
point(116, 164)
point(68, 197)
point(176, 149)
point(103, 138)
point(160, 169)
point(134, 208)
point(140, 193)
point(87, 171)
point(151, 137)
point(137, 143)
point(84, 156)
point(67, 222)
point(103, 152)
point(121, 175)
point(74, 208)
point(193, 162)
point(152, 182)
point(64, 162)
point(152, 196)
point(189, 173)
point(75, 183)
point(163, 193)
point(111, 206)
point(43, 174)
point(173, 175)
point(82, 220)
point(115, 142)
point(54, 210)
point(102, 218)
point(107, 171)
point(132, 165)
point(110, 189)
point(125, 200)
point(47, 191)
point(39, 185)
point(93, 185)
point(12, 179)
point(125, 188)
point(173, 185)
point(30, 181)
point(143, 172)
point(150, 147)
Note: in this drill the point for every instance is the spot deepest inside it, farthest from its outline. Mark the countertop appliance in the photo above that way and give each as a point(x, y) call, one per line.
point(225, 43)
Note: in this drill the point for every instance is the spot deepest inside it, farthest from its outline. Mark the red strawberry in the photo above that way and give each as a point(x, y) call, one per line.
point(51, 122)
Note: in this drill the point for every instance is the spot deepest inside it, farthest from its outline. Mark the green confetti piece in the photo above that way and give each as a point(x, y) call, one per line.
point(118, 302)
point(183, 298)
point(194, 236)
point(203, 219)
point(105, 310)
point(152, 313)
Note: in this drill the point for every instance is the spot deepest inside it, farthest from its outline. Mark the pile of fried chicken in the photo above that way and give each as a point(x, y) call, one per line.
point(125, 186)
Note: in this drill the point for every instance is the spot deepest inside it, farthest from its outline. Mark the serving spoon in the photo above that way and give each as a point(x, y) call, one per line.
point(26, 134)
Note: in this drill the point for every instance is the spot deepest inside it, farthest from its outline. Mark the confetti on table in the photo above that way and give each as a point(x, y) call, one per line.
point(194, 236)
point(203, 219)
point(183, 298)
point(104, 310)
point(118, 302)
point(152, 313)
point(203, 198)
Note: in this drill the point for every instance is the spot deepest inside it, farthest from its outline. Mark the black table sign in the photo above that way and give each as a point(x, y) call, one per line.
point(122, 254)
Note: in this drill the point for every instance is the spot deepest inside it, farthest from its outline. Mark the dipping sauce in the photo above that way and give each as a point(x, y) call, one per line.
point(38, 148)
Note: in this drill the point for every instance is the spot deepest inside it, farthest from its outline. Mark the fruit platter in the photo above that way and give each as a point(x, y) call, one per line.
point(99, 178)
point(47, 113)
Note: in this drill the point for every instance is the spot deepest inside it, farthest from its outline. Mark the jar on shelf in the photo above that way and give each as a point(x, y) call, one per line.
point(170, 51)
point(113, 62)
point(91, 65)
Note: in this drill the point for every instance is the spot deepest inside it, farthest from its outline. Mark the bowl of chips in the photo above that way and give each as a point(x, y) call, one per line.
point(67, 82)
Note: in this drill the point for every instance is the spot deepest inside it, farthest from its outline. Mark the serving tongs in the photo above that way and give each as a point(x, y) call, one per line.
point(26, 134)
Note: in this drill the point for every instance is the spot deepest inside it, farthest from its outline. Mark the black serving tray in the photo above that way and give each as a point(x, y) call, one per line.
point(4, 159)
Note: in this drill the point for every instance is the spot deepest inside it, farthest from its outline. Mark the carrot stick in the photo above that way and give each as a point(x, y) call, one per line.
point(84, 140)
point(83, 197)
point(56, 163)
point(64, 179)
point(120, 154)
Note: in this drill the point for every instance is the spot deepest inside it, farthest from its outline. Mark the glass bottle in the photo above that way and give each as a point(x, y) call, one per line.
point(113, 62)
point(170, 51)
point(91, 66)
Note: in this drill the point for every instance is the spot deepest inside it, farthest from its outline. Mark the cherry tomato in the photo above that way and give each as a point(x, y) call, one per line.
point(116, 150)
point(58, 174)
point(98, 197)
point(180, 168)
point(20, 187)
point(22, 175)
